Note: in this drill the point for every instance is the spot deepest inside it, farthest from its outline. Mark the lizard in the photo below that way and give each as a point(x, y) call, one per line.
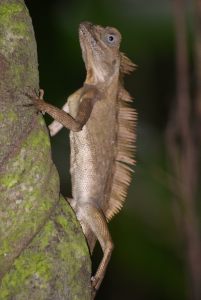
point(102, 137)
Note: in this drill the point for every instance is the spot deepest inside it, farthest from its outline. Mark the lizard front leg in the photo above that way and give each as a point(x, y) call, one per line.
point(86, 104)
point(55, 126)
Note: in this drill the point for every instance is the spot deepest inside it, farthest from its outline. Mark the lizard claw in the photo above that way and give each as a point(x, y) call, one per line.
point(41, 94)
point(37, 101)
point(95, 283)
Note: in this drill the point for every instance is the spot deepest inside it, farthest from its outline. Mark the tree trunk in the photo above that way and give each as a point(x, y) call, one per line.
point(43, 253)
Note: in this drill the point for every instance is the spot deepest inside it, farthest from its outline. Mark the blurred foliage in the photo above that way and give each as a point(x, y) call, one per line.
point(147, 262)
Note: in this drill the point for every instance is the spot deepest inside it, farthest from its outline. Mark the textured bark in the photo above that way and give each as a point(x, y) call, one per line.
point(43, 253)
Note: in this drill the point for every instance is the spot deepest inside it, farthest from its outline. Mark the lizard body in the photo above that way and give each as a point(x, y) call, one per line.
point(102, 136)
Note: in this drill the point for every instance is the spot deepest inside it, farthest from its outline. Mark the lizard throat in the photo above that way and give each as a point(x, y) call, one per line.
point(98, 75)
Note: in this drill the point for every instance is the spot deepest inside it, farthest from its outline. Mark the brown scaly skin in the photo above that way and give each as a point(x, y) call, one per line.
point(102, 137)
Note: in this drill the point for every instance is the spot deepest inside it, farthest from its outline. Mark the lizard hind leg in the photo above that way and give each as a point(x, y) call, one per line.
point(94, 220)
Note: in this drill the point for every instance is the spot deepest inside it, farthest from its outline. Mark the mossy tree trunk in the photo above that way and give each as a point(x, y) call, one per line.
point(43, 253)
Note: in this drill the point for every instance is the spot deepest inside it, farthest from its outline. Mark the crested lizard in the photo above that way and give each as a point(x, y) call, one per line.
point(102, 136)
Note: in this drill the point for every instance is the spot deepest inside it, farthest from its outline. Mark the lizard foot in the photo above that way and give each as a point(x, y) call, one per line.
point(38, 101)
point(95, 282)
point(93, 285)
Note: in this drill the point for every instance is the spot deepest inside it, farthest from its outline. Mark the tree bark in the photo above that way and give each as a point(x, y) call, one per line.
point(43, 253)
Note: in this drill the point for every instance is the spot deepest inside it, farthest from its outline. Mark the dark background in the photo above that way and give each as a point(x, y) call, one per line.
point(147, 262)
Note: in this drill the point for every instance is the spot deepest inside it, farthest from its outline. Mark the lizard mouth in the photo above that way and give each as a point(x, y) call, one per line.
point(87, 34)
point(87, 37)
point(92, 49)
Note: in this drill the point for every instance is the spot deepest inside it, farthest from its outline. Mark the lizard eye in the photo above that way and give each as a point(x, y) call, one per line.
point(110, 38)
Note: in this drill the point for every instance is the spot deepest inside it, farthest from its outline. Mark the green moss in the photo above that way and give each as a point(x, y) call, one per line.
point(40, 139)
point(75, 253)
point(12, 116)
point(39, 265)
point(24, 268)
point(36, 140)
point(17, 44)
point(16, 29)
point(20, 28)
point(32, 202)
point(66, 252)
point(62, 221)
point(5, 248)
point(42, 122)
point(48, 233)
point(55, 259)
point(8, 9)
point(8, 180)
point(8, 12)
point(45, 205)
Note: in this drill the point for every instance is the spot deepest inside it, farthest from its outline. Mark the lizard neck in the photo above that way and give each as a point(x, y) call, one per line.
point(100, 82)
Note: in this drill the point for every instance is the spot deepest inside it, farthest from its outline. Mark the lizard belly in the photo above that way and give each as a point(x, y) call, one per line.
point(83, 170)
point(91, 165)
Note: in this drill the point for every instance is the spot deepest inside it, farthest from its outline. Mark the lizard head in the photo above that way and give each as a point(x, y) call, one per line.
point(100, 51)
